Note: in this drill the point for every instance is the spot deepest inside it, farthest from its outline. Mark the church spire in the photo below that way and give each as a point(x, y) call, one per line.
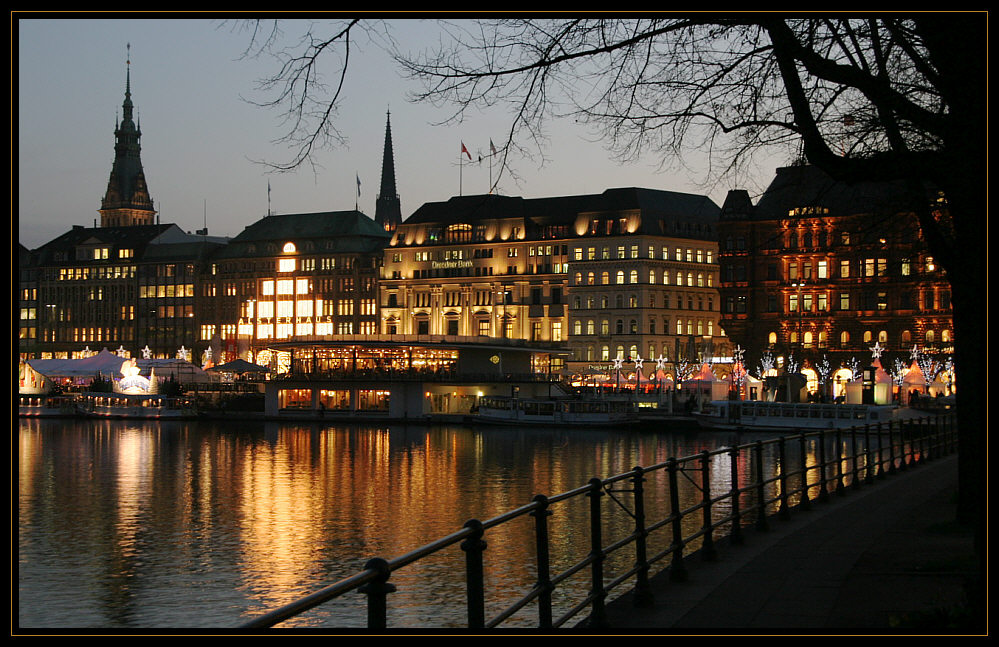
point(388, 212)
point(127, 201)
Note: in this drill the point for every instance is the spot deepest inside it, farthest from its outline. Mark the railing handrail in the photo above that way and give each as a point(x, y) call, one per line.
point(373, 579)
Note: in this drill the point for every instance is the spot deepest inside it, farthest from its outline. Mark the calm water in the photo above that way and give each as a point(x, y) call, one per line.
point(188, 525)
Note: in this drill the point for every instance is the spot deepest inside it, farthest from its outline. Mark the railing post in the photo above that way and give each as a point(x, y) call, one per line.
point(905, 430)
point(736, 532)
point(840, 485)
point(924, 456)
point(475, 596)
point(643, 590)
point(377, 590)
point(708, 545)
point(544, 583)
point(823, 493)
point(677, 571)
point(806, 503)
point(856, 463)
point(598, 615)
point(868, 474)
point(891, 447)
point(785, 513)
point(761, 505)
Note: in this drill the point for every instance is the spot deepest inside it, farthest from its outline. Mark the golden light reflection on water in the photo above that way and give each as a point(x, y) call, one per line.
point(237, 520)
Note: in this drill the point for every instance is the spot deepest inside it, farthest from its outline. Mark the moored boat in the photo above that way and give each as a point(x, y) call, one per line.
point(46, 406)
point(121, 405)
point(756, 415)
point(505, 410)
point(107, 405)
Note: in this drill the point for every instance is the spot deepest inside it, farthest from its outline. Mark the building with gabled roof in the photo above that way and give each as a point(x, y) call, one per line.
point(819, 269)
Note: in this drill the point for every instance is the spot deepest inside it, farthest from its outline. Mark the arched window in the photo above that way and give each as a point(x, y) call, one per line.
point(605, 278)
point(906, 337)
point(930, 337)
point(634, 327)
point(620, 277)
point(844, 339)
point(589, 327)
point(633, 278)
point(772, 338)
point(882, 336)
point(589, 278)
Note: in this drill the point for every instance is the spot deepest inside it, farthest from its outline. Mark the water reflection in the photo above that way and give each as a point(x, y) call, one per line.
point(176, 524)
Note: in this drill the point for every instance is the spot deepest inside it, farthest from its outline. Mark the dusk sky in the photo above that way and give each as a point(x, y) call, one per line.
point(200, 137)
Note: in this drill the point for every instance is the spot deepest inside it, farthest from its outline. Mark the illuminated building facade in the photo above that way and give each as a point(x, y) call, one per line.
point(128, 283)
point(111, 287)
point(820, 268)
point(622, 274)
point(292, 275)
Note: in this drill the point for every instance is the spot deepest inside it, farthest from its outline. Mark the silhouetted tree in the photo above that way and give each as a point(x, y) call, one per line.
point(874, 98)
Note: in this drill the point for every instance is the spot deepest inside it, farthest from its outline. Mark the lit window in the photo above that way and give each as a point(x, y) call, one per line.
point(286, 265)
point(289, 248)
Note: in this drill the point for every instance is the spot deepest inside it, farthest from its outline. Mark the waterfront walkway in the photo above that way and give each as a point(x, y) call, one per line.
point(885, 557)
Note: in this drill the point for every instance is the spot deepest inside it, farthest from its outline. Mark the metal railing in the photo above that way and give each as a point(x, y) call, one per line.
point(860, 455)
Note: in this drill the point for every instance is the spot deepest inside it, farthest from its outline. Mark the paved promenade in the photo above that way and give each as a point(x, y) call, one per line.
point(884, 558)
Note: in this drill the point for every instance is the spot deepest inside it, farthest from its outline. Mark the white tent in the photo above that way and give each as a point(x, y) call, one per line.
point(705, 385)
point(31, 381)
point(109, 365)
point(105, 363)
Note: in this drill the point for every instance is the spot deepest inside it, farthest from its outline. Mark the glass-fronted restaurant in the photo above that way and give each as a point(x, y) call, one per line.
point(404, 377)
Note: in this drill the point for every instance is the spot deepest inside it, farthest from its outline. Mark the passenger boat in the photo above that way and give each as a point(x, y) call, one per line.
point(135, 406)
point(505, 410)
point(46, 406)
point(756, 415)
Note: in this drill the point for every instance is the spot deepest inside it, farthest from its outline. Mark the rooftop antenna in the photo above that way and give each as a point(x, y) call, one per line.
point(269, 197)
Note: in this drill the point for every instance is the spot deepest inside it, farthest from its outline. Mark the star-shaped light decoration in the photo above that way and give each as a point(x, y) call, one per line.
point(638, 362)
point(661, 363)
point(121, 352)
point(147, 352)
point(914, 353)
point(876, 350)
point(617, 363)
point(183, 353)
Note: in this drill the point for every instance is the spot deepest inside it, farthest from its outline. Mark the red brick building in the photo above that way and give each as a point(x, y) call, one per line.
point(821, 269)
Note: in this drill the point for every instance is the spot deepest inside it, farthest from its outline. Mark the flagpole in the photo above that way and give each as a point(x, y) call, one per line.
point(460, 166)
